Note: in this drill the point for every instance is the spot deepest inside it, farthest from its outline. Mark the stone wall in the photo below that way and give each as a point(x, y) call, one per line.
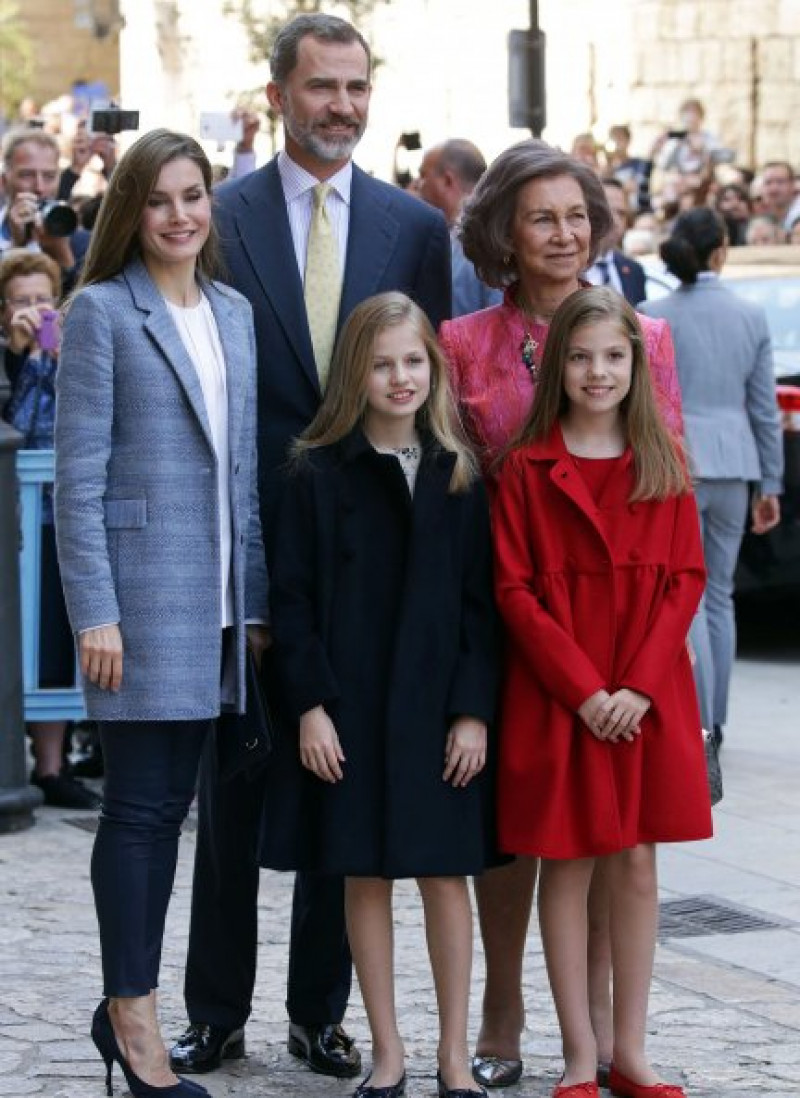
point(740, 57)
point(64, 52)
point(444, 66)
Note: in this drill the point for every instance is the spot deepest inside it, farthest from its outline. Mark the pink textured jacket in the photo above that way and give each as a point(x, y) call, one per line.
point(494, 389)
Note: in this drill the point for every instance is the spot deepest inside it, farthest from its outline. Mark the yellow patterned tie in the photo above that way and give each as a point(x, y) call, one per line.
point(322, 284)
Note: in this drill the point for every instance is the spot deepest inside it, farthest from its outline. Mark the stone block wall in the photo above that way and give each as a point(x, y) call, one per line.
point(740, 57)
point(64, 52)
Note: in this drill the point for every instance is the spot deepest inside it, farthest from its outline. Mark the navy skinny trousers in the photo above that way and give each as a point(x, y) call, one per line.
point(150, 778)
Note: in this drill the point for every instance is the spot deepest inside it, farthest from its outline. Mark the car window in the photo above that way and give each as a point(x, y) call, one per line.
point(780, 300)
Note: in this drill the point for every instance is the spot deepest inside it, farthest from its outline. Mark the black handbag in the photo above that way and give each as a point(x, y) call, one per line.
point(244, 740)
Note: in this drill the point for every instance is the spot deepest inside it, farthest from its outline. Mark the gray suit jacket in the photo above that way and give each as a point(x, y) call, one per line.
point(137, 514)
point(724, 359)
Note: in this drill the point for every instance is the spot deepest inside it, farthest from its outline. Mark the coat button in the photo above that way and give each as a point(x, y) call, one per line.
point(635, 554)
point(570, 562)
point(236, 469)
point(241, 539)
point(348, 553)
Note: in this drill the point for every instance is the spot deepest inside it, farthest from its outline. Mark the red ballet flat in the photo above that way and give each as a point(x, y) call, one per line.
point(578, 1090)
point(625, 1088)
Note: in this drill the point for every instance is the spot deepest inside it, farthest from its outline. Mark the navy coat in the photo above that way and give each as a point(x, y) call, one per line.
point(382, 612)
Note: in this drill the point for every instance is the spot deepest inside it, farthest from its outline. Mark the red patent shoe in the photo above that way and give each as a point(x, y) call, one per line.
point(626, 1088)
point(578, 1090)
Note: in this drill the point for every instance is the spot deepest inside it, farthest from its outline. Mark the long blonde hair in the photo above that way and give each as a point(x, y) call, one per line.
point(658, 460)
point(345, 399)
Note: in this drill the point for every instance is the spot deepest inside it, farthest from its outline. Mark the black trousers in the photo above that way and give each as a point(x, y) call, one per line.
point(223, 935)
point(150, 779)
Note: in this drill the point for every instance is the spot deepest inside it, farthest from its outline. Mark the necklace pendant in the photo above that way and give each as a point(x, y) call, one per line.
point(528, 349)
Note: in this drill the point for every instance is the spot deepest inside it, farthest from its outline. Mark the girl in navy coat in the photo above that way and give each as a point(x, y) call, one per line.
point(383, 625)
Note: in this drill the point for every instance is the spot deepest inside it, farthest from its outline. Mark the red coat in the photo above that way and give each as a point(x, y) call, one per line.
point(595, 597)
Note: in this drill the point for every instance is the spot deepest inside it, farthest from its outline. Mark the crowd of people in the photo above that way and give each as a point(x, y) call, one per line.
point(415, 457)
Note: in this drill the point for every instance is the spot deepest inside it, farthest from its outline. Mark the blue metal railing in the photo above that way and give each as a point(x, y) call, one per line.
point(35, 469)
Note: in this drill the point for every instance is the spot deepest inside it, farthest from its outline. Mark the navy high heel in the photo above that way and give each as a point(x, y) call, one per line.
point(107, 1045)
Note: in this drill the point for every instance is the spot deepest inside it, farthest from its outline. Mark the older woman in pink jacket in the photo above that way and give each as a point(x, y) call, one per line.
point(534, 223)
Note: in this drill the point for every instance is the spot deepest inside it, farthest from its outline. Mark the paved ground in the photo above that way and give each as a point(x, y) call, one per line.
point(725, 1017)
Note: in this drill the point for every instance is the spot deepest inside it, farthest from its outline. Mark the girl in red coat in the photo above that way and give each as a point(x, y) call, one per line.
point(599, 569)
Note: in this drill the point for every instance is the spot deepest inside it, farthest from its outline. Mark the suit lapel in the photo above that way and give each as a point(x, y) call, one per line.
point(159, 324)
point(371, 240)
point(264, 235)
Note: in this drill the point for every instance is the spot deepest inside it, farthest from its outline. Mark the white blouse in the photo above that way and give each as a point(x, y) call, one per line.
point(198, 331)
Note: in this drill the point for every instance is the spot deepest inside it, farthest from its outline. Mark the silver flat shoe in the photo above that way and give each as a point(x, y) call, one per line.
point(493, 1071)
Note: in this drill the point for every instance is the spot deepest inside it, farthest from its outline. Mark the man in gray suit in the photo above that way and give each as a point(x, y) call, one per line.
point(723, 355)
point(382, 240)
point(447, 177)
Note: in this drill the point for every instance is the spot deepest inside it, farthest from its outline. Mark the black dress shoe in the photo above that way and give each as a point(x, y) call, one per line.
point(64, 791)
point(326, 1049)
point(204, 1047)
point(365, 1090)
point(494, 1071)
point(443, 1091)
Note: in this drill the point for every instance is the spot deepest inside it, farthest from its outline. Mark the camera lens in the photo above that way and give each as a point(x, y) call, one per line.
point(58, 218)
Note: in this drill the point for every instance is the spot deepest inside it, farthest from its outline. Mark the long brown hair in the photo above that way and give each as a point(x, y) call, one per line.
point(115, 237)
point(345, 399)
point(660, 468)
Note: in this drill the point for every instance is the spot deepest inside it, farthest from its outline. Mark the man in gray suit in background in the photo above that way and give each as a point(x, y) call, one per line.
point(447, 177)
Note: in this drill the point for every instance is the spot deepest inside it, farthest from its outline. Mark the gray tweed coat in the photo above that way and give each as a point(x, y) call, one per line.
point(137, 515)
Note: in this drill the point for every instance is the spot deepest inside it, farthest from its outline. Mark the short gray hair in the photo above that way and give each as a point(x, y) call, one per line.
point(325, 28)
point(462, 158)
point(489, 213)
point(25, 135)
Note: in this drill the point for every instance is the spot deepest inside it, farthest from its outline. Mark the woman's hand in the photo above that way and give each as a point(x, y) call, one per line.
point(465, 751)
point(259, 639)
point(589, 710)
point(23, 329)
point(620, 717)
point(320, 750)
point(100, 652)
point(766, 513)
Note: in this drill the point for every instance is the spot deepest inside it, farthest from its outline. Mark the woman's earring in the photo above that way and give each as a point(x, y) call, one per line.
point(507, 259)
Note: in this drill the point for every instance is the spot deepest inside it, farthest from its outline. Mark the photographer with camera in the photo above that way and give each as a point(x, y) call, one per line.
point(29, 289)
point(690, 150)
point(32, 217)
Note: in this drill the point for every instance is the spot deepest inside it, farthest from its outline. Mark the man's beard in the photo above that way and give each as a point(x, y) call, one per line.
point(313, 141)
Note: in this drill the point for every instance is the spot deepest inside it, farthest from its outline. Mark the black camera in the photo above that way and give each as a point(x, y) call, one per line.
point(58, 218)
point(113, 120)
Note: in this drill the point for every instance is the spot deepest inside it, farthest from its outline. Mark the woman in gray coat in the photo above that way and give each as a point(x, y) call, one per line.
point(724, 359)
point(160, 549)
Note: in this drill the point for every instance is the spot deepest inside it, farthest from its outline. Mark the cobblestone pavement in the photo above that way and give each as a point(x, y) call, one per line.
point(725, 1011)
